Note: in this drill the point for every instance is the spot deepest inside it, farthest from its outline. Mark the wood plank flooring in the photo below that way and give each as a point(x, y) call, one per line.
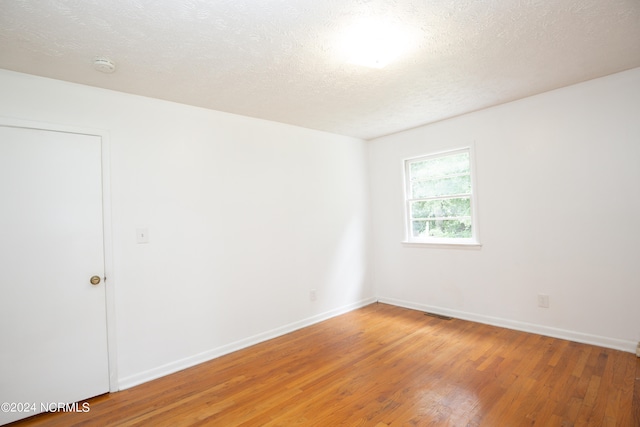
point(386, 366)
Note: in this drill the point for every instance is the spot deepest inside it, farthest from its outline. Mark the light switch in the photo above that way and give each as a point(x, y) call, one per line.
point(142, 235)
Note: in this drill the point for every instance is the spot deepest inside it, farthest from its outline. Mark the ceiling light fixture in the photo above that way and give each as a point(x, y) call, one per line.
point(374, 43)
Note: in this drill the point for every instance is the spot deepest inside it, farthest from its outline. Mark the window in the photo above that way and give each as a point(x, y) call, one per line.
point(439, 198)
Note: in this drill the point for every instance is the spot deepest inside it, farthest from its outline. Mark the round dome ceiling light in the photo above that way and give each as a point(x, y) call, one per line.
point(104, 65)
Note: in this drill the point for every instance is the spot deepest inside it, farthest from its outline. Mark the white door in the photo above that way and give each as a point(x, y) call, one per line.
point(53, 332)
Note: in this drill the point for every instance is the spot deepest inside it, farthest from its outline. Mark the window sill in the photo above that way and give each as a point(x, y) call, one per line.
point(461, 245)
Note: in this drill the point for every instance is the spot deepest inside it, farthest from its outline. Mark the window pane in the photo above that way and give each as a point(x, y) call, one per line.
point(448, 228)
point(439, 166)
point(419, 229)
point(441, 208)
point(441, 187)
point(439, 194)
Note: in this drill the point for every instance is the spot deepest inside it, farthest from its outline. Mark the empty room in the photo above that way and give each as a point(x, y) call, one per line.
point(320, 213)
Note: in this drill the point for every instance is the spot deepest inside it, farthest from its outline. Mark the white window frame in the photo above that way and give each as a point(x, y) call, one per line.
point(410, 240)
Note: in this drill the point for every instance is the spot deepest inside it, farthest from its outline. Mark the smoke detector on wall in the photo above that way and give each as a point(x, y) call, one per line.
point(104, 65)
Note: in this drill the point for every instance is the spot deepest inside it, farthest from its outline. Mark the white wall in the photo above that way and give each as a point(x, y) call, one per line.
point(245, 217)
point(559, 203)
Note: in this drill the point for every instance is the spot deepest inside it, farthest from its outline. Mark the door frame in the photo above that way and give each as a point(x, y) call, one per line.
point(109, 276)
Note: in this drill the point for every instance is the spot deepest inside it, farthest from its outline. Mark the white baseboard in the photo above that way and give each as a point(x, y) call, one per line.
point(205, 356)
point(617, 344)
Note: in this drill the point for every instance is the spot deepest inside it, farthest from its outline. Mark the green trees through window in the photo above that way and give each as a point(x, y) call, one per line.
point(439, 196)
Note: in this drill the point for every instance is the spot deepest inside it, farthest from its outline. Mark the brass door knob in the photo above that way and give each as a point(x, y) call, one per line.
point(95, 280)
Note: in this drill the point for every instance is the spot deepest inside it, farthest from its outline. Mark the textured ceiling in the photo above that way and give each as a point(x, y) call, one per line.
point(279, 59)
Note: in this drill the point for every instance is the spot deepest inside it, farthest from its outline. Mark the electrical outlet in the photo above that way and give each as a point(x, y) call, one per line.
point(543, 301)
point(313, 295)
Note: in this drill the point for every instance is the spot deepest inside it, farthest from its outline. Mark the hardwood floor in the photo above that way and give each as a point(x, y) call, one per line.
point(386, 366)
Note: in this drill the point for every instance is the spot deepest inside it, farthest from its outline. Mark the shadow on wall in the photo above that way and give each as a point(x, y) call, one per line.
point(346, 279)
